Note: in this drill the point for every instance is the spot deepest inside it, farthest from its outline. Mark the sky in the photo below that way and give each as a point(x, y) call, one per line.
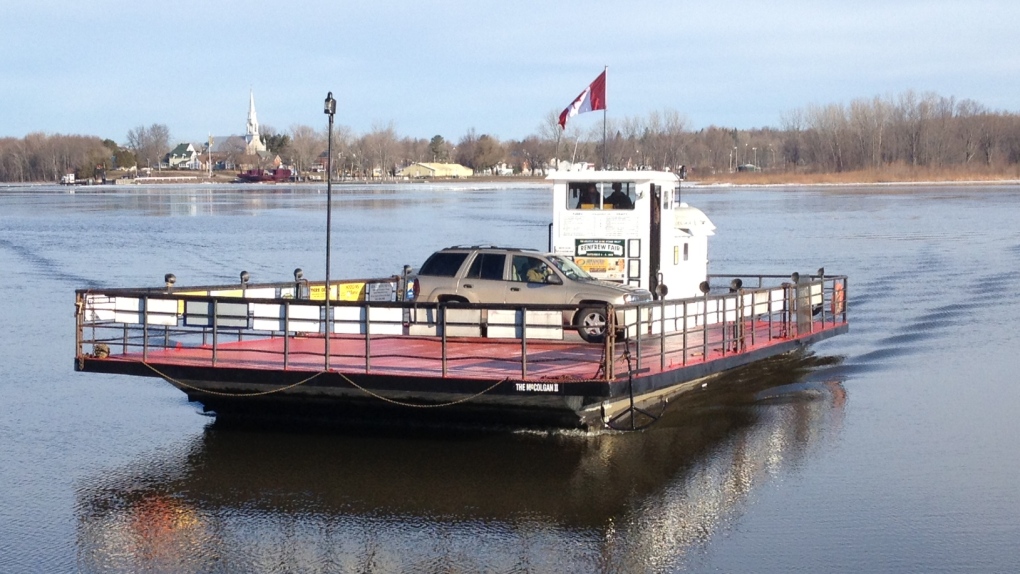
point(104, 67)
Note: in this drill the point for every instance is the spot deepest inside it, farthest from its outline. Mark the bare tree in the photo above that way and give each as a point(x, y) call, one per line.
point(380, 148)
point(829, 127)
point(41, 157)
point(550, 132)
point(414, 150)
point(306, 144)
point(465, 152)
point(674, 137)
point(868, 122)
point(149, 144)
point(488, 153)
point(970, 126)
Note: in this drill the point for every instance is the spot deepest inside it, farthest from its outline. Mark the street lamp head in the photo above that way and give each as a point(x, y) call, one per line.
point(330, 105)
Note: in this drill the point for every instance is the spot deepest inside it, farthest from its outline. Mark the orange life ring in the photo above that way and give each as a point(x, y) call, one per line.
point(838, 299)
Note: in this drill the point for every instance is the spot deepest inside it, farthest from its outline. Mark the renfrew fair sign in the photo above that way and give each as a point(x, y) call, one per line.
point(599, 247)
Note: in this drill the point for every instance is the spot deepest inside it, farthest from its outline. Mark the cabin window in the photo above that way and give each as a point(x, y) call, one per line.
point(601, 195)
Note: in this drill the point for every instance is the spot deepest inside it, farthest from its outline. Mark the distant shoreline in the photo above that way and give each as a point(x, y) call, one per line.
point(890, 177)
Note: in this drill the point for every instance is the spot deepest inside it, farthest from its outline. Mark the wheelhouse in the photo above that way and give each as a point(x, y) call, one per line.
point(631, 227)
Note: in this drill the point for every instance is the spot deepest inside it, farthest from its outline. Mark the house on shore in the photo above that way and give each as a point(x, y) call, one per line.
point(436, 170)
point(184, 156)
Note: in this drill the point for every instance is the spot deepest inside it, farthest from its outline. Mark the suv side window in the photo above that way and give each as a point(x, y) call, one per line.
point(443, 264)
point(487, 266)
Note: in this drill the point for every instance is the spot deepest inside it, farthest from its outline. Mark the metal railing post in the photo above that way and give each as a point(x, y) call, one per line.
point(524, 342)
point(824, 321)
point(754, 299)
point(740, 343)
point(326, 352)
point(286, 334)
point(771, 312)
point(442, 325)
point(662, 332)
point(145, 328)
point(704, 328)
point(637, 344)
point(846, 304)
point(723, 330)
point(368, 338)
point(79, 321)
point(685, 329)
point(215, 330)
point(610, 340)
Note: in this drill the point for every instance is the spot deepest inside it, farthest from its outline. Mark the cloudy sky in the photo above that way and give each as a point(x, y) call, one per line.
point(103, 67)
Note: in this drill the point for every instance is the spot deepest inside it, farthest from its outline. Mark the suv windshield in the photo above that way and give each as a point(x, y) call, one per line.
point(569, 269)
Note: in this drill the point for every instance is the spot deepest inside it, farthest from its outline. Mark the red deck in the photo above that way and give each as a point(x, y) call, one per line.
point(472, 358)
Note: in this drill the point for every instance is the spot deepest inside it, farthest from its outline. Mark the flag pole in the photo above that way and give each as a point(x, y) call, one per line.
point(605, 150)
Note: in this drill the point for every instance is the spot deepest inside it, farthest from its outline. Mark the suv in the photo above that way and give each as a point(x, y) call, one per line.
point(522, 276)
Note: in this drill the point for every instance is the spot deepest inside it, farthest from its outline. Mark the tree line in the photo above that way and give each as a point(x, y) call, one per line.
point(909, 129)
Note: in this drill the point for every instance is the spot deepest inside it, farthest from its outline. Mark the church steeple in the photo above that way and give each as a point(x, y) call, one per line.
point(252, 138)
point(253, 121)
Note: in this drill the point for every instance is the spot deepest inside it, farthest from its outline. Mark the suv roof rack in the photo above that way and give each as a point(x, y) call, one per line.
point(491, 247)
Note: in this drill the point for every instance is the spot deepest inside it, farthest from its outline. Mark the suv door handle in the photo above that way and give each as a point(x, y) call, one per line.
point(467, 285)
point(515, 288)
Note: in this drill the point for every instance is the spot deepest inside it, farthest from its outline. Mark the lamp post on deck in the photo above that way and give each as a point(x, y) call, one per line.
point(329, 109)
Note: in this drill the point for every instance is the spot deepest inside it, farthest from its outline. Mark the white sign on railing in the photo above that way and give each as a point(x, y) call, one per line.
point(130, 310)
point(364, 320)
point(513, 324)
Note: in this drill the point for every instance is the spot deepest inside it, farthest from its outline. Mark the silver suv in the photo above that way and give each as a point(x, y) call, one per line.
point(519, 277)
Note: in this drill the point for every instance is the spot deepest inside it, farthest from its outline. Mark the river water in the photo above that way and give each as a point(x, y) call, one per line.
point(889, 449)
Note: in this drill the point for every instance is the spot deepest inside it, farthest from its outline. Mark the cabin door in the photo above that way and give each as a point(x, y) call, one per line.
point(654, 238)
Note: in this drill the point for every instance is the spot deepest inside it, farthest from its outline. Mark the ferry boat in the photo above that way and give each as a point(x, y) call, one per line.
point(279, 351)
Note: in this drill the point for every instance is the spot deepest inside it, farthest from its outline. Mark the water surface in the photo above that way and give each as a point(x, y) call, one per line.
point(891, 448)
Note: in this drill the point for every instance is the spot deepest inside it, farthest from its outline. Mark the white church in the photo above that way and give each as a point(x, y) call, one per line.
point(232, 152)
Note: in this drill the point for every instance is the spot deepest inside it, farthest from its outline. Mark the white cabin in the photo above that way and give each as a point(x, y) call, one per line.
point(631, 227)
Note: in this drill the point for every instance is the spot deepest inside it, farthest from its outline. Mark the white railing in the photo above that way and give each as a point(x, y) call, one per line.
point(137, 321)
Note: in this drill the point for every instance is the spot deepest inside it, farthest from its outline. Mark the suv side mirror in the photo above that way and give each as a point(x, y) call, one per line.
point(553, 279)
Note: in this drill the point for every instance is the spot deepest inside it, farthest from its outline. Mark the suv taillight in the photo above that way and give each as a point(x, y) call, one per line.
point(416, 289)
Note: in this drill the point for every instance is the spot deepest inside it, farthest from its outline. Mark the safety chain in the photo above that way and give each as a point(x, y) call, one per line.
point(170, 379)
point(419, 406)
point(344, 377)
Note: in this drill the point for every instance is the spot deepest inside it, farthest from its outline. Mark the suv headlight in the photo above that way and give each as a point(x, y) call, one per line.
point(635, 298)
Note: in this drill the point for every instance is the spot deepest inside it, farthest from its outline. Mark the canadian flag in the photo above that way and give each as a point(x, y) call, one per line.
point(592, 98)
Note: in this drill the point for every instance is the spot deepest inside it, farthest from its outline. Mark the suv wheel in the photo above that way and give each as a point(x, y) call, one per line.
point(591, 324)
point(452, 299)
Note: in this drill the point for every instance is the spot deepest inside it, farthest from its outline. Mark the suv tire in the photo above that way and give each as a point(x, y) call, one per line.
point(591, 324)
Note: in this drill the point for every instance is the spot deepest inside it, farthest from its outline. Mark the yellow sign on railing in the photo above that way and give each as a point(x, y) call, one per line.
point(347, 292)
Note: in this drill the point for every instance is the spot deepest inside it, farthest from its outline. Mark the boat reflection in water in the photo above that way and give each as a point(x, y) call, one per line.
point(253, 500)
